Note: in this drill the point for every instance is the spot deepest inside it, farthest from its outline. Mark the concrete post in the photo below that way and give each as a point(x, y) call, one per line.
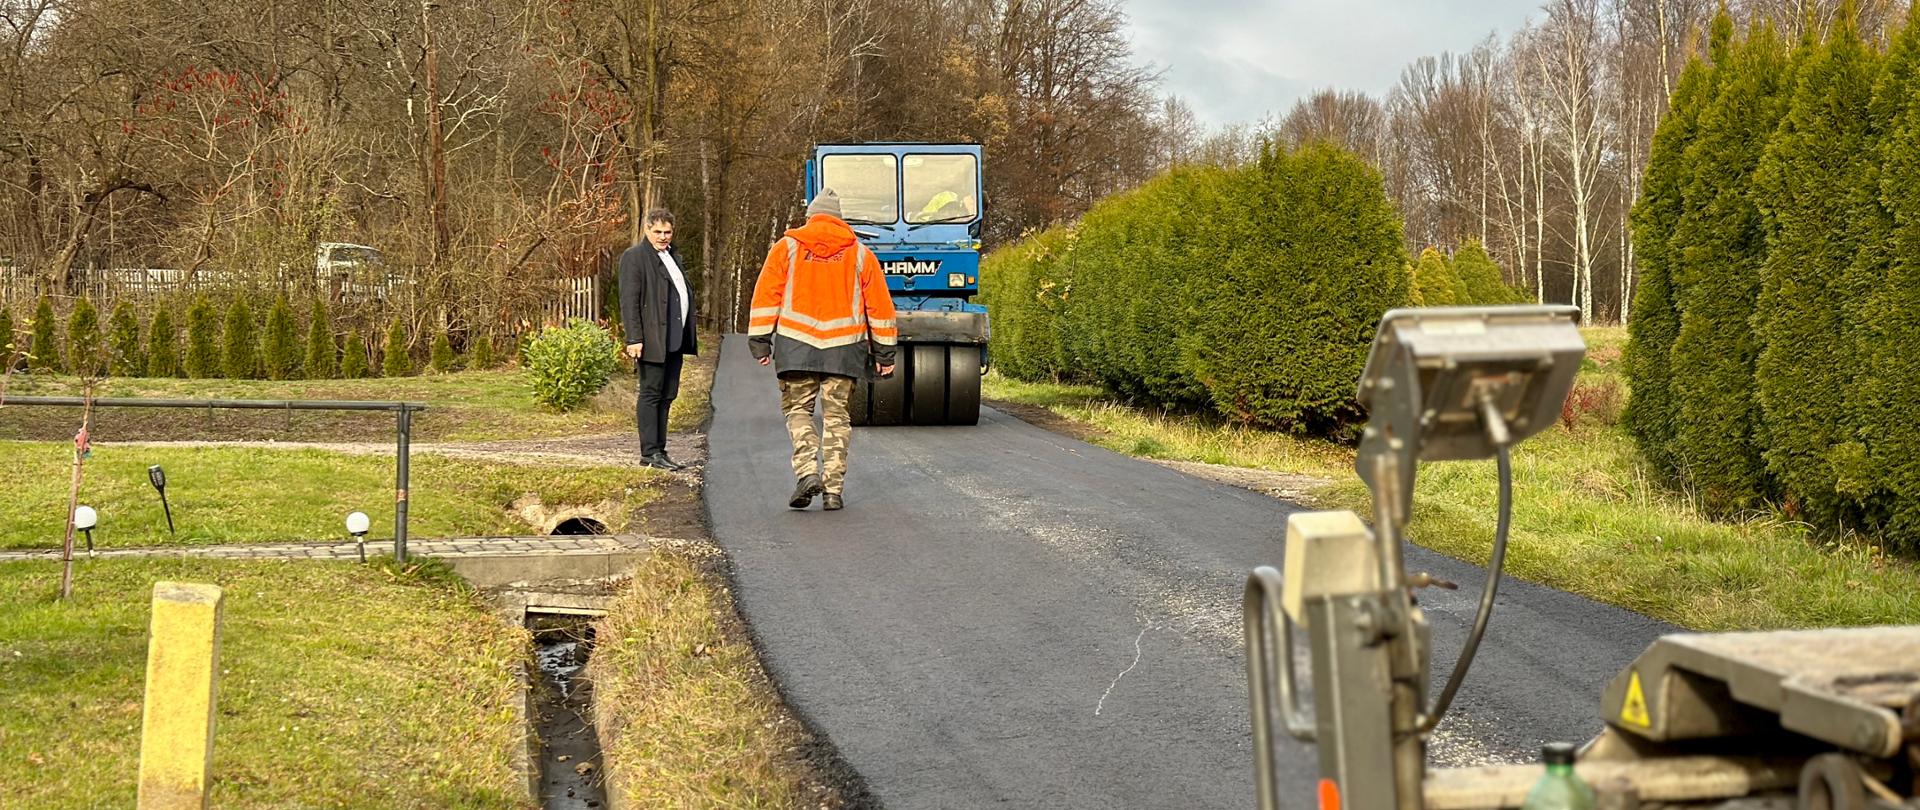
point(183, 666)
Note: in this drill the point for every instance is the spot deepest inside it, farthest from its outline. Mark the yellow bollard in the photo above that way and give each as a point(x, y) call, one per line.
point(183, 666)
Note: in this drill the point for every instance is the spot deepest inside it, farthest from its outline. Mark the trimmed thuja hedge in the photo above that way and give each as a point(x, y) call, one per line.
point(1253, 291)
point(1774, 350)
point(236, 345)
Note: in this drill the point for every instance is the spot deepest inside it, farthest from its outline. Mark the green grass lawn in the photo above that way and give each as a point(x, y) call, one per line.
point(1587, 518)
point(341, 686)
point(245, 494)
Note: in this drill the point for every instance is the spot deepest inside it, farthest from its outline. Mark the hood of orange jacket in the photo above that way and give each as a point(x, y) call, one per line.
point(823, 235)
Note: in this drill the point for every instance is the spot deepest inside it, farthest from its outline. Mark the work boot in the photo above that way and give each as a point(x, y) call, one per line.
point(804, 490)
point(831, 501)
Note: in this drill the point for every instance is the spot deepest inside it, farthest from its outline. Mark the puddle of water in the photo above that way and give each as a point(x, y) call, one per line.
point(570, 766)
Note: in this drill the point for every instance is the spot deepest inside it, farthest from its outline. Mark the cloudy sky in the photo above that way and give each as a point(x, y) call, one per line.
point(1235, 60)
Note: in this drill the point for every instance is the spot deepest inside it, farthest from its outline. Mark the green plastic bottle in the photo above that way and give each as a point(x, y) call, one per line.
point(1560, 788)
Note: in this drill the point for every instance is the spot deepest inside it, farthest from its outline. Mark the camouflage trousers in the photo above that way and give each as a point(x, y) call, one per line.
point(823, 450)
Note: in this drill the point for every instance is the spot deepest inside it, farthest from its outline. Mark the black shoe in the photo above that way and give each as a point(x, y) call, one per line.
point(831, 501)
point(659, 462)
point(803, 492)
point(671, 464)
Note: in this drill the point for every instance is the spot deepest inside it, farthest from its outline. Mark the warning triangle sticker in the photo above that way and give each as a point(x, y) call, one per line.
point(1634, 709)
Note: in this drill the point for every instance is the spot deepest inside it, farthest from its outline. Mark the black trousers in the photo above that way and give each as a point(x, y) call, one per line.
point(659, 384)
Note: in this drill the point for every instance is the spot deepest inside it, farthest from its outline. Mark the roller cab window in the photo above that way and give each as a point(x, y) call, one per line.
point(868, 185)
point(941, 188)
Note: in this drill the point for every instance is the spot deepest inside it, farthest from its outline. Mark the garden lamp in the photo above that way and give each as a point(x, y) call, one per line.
point(158, 477)
point(357, 525)
point(84, 519)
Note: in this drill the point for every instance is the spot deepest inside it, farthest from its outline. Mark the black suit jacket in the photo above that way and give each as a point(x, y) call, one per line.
point(644, 290)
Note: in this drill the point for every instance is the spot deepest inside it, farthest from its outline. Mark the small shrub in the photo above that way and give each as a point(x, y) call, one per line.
point(353, 359)
point(242, 349)
point(126, 359)
point(441, 360)
point(1434, 282)
point(395, 362)
point(480, 354)
point(86, 354)
point(321, 353)
point(279, 349)
point(44, 352)
point(163, 351)
point(1592, 402)
point(570, 364)
point(203, 340)
point(1481, 277)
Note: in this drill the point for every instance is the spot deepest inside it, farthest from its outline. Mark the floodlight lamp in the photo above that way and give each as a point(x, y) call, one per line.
point(357, 523)
point(84, 518)
point(1453, 383)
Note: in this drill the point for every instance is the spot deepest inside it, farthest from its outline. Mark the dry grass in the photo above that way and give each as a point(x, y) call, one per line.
point(1173, 436)
point(689, 717)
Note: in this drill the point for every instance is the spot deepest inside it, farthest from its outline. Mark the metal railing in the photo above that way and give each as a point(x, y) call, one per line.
point(403, 430)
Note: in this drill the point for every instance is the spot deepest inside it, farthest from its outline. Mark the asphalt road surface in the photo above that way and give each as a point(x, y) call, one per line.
point(1006, 616)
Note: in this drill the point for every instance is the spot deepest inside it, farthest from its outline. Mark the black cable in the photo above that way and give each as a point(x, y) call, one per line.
point(1494, 567)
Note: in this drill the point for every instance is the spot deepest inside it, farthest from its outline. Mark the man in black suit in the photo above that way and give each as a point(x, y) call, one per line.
point(656, 307)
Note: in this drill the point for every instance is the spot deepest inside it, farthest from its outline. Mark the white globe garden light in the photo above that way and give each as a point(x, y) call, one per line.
point(357, 525)
point(84, 519)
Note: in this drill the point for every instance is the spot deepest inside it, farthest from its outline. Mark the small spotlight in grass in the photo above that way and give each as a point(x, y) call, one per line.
point(357, 525)
point(84, 519)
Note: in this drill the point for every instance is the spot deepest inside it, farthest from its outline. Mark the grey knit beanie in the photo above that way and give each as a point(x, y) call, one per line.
point(826, 202)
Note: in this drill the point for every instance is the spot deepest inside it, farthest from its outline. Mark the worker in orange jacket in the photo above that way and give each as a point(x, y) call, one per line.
point(821, 315)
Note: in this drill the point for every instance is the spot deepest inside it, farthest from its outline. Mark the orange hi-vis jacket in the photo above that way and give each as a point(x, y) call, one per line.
point(821, 301)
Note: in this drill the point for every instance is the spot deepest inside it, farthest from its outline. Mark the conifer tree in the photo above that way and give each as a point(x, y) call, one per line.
point(126, 359)
point(1434, 284)
point(1804, 192)
point(86, 351)
point(394, 362)
point(1651, 413)
point(1883, 468)
point(1481, 276)
point(45, 350)
point(480, 352)
point(203, 340)
point(441, 360)
point(1328, 241)
point(10, 350)
point(1721, 246)
point(321, 352)
point(241, 356)
point(163, 352)
point(278, 348)
point(353, 356)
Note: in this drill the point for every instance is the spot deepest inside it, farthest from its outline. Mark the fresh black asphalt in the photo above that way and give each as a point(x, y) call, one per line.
point(1003, 616)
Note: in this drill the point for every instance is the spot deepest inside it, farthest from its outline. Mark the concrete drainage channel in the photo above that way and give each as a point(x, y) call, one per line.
point(560, 711)
point(557, 597)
